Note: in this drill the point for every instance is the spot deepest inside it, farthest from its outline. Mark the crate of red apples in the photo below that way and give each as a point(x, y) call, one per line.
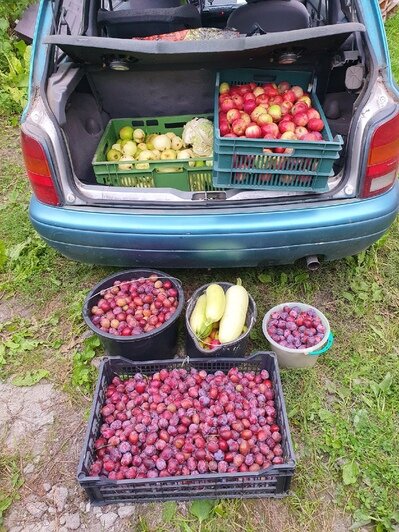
point(179, 430)
point(271, 132)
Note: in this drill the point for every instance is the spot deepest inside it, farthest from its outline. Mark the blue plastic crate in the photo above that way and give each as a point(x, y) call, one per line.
point(245, 163)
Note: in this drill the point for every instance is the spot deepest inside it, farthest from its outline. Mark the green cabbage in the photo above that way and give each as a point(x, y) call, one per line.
point(198, 133)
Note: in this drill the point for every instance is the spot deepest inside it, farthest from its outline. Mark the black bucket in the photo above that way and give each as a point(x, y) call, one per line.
point(236, 348)
point(158, 344)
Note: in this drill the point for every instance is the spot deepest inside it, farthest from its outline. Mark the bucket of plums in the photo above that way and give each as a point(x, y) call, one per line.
point(135, 314)
point(298, 334)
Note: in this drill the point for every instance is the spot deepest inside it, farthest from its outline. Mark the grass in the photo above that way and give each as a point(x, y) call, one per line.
point(343, 412)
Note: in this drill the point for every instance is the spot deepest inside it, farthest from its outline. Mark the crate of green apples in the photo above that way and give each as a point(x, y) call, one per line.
point(171, 151)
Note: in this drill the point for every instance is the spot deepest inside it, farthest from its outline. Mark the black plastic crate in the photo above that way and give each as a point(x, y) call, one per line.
point(274, 481)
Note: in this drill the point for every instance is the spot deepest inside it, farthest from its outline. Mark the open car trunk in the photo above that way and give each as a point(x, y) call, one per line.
point(178, 78)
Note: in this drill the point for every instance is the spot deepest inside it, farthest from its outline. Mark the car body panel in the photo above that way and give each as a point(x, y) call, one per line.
point(209, 240)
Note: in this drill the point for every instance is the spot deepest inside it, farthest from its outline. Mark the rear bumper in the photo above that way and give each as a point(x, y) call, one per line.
point(214, 239)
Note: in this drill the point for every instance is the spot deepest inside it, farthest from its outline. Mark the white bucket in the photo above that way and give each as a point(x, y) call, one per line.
point(298, 358)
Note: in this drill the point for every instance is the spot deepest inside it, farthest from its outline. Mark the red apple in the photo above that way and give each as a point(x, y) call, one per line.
point(289, 96)
point(226, 105)
point(298, 91)
point(224, 128)
point(299, 107)
point(222, 116)
point(258, 91)
point(288, 135)
point(249, 96)
point(244, 89)
point(245, 116)
point(279, 150)
point(312, 113)
point(286, 118)
point(271, 89)
point(275, 112)
point(231, 135)
point(300, 131)
point(300, 119)
point(239, 126)
point(309, 137)
point(224, 87)
point(269, 136)
point(249, 106)
point(252, 85)
point(286, 126)
point(315, 124)
point(286, 107)
point(262, 99)
point(318, 135)
point(238, 101)
point(305, 99)
point(232, 115)
point(224, 97)
point(270, 129)
point(235, 89)
point(276, 100)
point(264, 118)
point(259, 110)
point(283, 87)
point(253, 132)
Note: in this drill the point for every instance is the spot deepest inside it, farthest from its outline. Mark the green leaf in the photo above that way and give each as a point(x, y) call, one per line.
point(265, 278)
point(325, 415)
point(350, 473)
point(3, 255)
point(3, 24)
point(202, 509)
point(360, 519)
point(386, 383)
point(221, 510)
point(283, 279)
point(2, 354)
point(30, 378)
point(169, 511)
point(5, 503)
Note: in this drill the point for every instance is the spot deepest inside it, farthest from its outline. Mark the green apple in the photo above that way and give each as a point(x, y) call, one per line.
point(130, 148)
point(127, 165)
point(126, 133)
point(149, 141)
point(177, 143)
point(143, 166)
point(185, 154)
point(117, 146)
point(168, 155)
point(113, 155)
point(138, 135)
point(145, 155)
point(199, 164)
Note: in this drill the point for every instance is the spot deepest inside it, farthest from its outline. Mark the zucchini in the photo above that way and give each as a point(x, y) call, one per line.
point(233, 320)
point(215, 303)
point(197, 318)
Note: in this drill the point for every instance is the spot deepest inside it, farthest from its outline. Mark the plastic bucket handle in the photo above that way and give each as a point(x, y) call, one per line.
point(328, 346)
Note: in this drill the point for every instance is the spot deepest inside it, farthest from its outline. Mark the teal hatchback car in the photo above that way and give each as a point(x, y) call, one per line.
point(89, 67)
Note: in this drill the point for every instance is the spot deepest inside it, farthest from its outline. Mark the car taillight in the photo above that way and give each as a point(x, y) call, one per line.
point(38, 170)
point(383, 161)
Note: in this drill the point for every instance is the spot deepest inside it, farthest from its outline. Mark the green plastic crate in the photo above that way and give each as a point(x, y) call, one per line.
point(194, 179)
point(243, 163)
